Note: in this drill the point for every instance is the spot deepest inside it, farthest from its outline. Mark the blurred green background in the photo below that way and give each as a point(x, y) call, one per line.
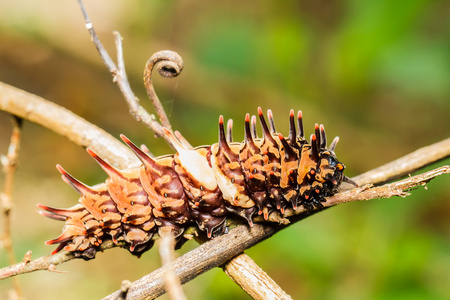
point(376, 73)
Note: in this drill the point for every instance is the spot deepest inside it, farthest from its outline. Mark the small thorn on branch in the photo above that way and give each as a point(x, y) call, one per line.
point(52, 268)
point(124, 287)
point(27, 257)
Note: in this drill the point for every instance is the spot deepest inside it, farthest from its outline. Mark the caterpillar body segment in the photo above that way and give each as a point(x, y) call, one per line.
point(252, 166)
point(200, 186)
point(165, 190)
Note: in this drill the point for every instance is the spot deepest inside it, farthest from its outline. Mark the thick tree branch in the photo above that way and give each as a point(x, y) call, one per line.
point(60, 120)
point(216, 252)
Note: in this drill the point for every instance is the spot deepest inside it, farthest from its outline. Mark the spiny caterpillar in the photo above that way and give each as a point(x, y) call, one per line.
point(201, 186)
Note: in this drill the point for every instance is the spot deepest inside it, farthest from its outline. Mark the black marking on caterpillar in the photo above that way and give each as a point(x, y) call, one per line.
point(201, 186)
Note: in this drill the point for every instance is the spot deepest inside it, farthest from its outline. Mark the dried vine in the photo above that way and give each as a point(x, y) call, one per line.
point(169, 64)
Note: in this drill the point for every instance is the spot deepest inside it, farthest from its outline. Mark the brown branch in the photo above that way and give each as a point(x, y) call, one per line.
point(399, 188)
point(253, 280)
point(9, 163)
point(60, 120)
point(216, 252)
point(48, 262)
point(406, 164)
point(203, 258)
point(367, 192)
point(119, 76)
point(42, 263)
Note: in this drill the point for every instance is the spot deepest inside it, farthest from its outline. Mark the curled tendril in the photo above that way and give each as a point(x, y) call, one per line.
point(169, 64)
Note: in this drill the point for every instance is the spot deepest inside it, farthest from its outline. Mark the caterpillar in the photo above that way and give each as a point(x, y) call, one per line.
point(200, 186)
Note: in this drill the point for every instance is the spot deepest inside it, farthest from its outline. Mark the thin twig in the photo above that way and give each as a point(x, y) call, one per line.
point(9, 163)
point(406, 164)
point(98, 44)
point(166, 251)
point(48, 262)
point(120, 78)
point(119, 50)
